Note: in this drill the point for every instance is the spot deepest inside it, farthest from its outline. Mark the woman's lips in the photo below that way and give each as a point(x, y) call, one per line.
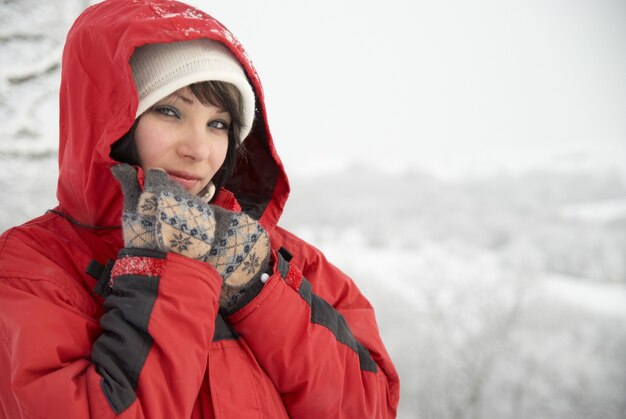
point(185, 180)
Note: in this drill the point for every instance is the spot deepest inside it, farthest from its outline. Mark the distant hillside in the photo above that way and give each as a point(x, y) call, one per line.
point(570, 223)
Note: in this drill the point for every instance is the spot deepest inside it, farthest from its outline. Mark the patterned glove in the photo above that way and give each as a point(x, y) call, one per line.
point(139, 214)
point(165, 217)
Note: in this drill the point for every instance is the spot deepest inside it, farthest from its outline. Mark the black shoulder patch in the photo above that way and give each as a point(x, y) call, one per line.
point(325, 315)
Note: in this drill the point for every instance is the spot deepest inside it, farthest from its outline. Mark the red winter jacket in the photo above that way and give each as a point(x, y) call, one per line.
point(306, 347)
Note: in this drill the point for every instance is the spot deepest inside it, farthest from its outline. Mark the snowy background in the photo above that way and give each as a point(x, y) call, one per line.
point(464, 162)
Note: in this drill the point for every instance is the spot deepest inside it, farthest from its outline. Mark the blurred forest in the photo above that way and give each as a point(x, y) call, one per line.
point(500, 296)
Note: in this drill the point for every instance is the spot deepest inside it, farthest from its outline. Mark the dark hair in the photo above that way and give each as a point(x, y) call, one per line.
point(216, 93)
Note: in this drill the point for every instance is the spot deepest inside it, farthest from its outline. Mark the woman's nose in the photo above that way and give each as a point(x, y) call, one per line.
point(193, 143)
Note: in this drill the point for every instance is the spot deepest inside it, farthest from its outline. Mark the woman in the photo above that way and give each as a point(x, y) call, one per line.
point(196, 304)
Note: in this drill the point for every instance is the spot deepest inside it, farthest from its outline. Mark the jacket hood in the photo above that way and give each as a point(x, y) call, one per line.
point(98, 103)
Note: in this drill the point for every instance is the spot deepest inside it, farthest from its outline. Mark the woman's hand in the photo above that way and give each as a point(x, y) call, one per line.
point(167, 218)
point(163, 216)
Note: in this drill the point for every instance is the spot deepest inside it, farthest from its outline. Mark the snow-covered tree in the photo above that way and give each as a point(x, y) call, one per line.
point(32, 33)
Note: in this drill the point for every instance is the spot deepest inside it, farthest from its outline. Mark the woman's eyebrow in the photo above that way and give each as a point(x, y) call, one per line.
point(189, 101)
point(183, 98)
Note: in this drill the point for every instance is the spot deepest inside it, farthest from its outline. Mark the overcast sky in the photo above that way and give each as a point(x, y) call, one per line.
point(449, 85)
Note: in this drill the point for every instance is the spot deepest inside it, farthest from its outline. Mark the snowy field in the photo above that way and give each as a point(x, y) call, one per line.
point(483, 209)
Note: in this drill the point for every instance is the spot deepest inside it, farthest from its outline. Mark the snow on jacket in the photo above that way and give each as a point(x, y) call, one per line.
point(307, 346)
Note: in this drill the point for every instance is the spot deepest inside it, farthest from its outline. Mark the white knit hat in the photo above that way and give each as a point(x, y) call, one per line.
point(161, 69)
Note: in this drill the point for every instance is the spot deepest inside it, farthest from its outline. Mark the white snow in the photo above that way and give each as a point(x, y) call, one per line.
point(600, 212)
point(600, 298)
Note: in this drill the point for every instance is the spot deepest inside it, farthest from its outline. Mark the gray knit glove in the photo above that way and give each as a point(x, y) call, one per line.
point(167, 218)
point(139, 214)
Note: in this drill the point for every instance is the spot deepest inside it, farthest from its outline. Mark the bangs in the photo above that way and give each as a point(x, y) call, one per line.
point(221, 94)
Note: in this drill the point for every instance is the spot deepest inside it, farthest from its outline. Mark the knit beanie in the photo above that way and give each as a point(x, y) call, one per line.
point(161, 69)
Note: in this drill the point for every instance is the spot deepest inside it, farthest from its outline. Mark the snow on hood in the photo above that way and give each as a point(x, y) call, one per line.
point(98, 102)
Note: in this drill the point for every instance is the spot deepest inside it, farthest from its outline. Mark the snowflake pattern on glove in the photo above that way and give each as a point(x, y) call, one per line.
point(180, 243)
point(149, 204)
point(252, 265)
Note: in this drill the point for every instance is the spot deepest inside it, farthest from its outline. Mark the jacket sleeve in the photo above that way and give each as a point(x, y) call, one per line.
point(324, 354)
point(146, 358)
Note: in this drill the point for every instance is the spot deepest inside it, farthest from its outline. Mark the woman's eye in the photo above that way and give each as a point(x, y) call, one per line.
point(219, 124)
point(167, 111)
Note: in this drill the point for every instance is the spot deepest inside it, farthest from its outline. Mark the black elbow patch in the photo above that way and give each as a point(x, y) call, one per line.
point(120, 353)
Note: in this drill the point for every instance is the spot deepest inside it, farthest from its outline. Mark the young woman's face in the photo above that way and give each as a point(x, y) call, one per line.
point(185, 138)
